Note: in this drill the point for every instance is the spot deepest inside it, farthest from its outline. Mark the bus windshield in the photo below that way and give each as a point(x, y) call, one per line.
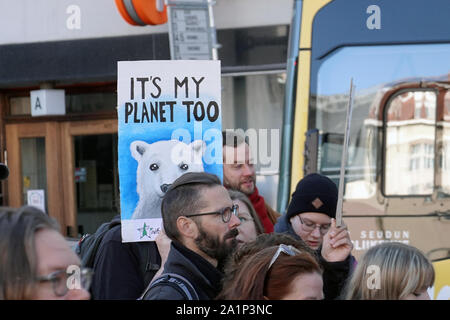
point(374, 69)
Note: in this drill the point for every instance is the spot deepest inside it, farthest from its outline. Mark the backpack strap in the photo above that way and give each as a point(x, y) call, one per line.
point(176, 281)
point(184, 284)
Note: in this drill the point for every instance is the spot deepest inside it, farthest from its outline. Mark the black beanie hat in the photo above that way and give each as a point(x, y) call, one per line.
point(314, 193)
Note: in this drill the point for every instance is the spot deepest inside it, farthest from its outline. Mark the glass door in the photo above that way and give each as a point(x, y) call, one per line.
point(33, 171)
point(89, 170)
point(33, 154)
point(96, 183)
point(69, 169)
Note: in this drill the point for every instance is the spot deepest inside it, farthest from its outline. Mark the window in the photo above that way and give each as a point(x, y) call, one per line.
point(255, 101)
point(376, 69)
point(414, 162)
point(75, 103)
point(33, 171)
point(409, 147)
point(429, 156)
point(91, 102)
point(20, 105)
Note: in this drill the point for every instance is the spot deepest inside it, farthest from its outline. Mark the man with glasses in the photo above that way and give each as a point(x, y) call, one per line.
point(201, 220)
point(311, 218)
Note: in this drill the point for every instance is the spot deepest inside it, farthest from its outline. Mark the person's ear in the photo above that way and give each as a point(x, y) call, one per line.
point(187, 227)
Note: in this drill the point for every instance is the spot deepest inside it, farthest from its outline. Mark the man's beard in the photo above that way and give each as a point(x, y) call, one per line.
point(213, 247)
point(238, 186)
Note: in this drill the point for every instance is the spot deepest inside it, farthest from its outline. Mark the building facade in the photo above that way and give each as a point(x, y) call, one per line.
point(75, 46)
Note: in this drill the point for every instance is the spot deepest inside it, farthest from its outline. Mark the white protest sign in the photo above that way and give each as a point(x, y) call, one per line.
point(169, 124)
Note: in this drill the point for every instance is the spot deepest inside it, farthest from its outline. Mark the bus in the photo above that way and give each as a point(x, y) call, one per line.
point(397, 176)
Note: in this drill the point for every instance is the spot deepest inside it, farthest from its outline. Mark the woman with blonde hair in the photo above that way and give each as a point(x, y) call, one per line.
point(391, 271)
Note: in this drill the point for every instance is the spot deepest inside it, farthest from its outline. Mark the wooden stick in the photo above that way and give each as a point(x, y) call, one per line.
point(348, 120)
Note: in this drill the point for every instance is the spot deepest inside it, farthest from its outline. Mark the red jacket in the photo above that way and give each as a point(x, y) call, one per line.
point(260, 208)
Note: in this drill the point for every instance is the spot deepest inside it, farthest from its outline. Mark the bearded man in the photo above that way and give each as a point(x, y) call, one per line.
point(201, 220)
point(239, 174)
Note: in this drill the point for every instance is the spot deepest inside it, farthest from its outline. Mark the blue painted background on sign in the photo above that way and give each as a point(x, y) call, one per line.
point(152, 132)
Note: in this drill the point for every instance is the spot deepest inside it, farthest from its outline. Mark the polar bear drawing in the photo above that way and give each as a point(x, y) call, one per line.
point(159, 165)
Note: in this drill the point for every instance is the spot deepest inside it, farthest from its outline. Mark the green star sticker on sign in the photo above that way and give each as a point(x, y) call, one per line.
point(144, 231)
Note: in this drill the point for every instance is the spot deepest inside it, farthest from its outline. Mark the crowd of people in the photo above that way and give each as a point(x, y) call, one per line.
point(219, 241)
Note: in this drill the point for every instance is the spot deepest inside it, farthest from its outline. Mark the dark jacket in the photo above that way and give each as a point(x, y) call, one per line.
point(335, 274)
point(202, 275)
point(117, 268)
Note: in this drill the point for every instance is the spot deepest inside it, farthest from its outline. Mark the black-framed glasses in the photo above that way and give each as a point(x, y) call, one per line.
point(310, 226)
point(226, 213)
point(282, 248)
point(59, 279)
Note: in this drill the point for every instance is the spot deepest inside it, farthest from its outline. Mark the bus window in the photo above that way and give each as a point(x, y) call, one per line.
point(254, 104)
point(375, 70)
point(409, 145)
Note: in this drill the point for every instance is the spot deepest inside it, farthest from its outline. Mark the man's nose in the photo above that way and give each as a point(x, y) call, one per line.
point(248, 170)
point(234, 222)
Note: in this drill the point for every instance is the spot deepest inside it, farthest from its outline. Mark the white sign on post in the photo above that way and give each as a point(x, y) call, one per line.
point(191, 31)
point(36, 198)
point(47, 102)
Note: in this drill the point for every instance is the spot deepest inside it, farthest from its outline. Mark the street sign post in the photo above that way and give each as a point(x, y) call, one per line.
point(192, 34)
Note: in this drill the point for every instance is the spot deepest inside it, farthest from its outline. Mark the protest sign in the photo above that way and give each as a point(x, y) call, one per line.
point(170, 119)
